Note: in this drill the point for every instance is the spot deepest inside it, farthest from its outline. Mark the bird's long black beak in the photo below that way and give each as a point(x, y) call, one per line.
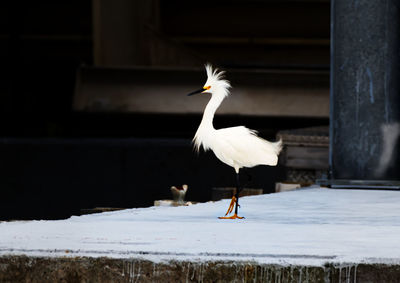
point(196, 91)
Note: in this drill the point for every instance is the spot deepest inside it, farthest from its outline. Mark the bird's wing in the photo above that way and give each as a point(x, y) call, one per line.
point(245, 148)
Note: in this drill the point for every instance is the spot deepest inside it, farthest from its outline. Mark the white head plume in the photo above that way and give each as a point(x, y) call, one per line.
point(215, 79)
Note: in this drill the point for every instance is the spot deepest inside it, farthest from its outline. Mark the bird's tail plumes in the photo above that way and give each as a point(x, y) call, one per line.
point(277, 146)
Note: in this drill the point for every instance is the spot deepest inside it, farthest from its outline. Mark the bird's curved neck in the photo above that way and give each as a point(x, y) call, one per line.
point(208, 116)
point(204, 134)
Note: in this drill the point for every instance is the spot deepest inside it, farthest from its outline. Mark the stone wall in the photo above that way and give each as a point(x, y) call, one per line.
point(85, 269)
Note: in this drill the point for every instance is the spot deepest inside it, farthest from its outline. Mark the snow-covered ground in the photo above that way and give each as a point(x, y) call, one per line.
point(309, 226)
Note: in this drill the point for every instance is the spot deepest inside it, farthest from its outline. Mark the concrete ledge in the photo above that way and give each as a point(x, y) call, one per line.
point(86, 269)
point(307, 235)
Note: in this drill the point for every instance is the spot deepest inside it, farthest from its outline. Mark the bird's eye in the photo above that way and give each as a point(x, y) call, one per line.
point(207, 87)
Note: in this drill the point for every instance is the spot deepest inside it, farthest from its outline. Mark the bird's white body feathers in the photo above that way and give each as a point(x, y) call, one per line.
point(236, 146)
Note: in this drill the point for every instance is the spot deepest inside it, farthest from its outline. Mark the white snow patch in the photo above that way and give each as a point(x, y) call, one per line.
point(309, 227)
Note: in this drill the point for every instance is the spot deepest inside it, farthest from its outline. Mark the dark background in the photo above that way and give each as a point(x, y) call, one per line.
point(55, 161)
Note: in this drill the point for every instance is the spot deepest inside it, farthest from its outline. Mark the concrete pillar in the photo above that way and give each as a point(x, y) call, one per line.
point(365, 91)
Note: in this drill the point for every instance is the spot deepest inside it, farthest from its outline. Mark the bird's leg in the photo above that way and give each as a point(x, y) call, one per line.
point(235, 200)
point(231, 205)
point(238, 190)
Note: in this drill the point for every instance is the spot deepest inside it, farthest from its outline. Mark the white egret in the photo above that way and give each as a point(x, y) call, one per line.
point(236, 146)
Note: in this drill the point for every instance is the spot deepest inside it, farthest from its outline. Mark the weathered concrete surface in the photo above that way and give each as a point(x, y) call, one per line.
point(86, 269)
point(365, 86)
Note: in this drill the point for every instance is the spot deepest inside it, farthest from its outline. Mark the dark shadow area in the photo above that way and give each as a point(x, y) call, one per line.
point(55, 178)
point(55, 161)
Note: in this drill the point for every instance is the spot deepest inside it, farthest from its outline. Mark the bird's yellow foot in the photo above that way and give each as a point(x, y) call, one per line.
point(231, 205)
point(235, 216)
point(230, 209)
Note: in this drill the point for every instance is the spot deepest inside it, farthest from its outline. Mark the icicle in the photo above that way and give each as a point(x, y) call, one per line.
point(138, 272)
point(187, 273)
point(193, 273)
point(307, 275)
point(154, 270)
point(278, 276)
point(200, 271)
point(131, 272)
point(348, 270)
point(300, 273)
point(355, 273)
point(327, 272)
